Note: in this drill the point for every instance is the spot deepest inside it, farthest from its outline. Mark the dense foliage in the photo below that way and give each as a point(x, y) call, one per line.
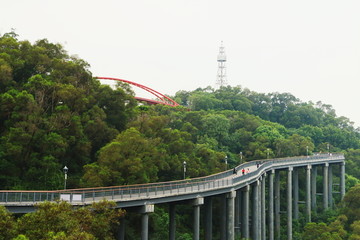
point(60, 221)
point(54, 113)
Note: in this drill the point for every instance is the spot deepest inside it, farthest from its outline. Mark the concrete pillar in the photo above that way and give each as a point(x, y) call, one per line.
point(277, 204)
point(263, 209)
point(145, 226)
point(121, 233)
point(146, 209)
point(289, 204)
point(172, 222)
point(342, 180)
point(313, 188)
point(330, 191)
point(326, 186)
point(296, 192)
point(245, 213)
point(255, 211)
point(271, 205)
point(197, 203)
point(237, 213)
point(208, 218)
point(230, 199)
point(259, 209)
point(223, 224)
point(308, 193)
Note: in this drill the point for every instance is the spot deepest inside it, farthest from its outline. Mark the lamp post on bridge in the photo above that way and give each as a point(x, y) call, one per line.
point(226, 162)
point(184, 164)
point(65, 169)
point(307, 151)
point(241, 157)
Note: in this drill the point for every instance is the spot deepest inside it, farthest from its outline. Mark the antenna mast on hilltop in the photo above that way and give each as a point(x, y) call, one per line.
point(221, 74)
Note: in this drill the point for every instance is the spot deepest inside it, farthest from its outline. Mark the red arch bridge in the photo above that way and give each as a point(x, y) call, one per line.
point(162, 99)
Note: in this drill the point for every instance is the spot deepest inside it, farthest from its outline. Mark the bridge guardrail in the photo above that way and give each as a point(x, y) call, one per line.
point(131, 192)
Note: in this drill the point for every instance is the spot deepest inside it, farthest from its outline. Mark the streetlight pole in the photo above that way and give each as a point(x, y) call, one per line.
point(268, 153)
point(184, 163)
point(226, 162)
point(307, 151)
point(241, 157)
point(65, 169)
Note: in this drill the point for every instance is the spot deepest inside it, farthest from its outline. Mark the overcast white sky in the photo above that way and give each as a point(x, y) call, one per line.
point(309, 48)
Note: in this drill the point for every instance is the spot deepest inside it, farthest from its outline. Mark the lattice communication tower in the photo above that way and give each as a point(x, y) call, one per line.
point(221, 74)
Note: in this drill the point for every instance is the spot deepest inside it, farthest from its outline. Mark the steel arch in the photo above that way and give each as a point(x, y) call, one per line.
point(163, 99)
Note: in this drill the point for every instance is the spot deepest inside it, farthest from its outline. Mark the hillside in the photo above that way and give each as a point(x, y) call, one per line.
point(54, 113)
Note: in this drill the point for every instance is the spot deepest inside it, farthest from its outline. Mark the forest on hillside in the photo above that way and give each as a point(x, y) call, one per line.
point(53, 113)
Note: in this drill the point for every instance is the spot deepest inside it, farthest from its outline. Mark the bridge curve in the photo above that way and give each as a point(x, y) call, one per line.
point(230, 184)
point(165, 100)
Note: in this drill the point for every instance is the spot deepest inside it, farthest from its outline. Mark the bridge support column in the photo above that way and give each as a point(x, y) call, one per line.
point(296, 192)
point(259, 225)
point(342, 180)
point(308, 193)
point(277, 204)
point(208, 218)
point(197, 203)
point(255, 211)
point(330, 186)
point(263, 209)
point(245, 213)
point(230, 199)
point(289, 204)
point(237, 213)
point(326, 186)
point(313, 188)
point(146, 209)
point(223, 217)
point(271, 205)
point(172, 222)
point(121, 233)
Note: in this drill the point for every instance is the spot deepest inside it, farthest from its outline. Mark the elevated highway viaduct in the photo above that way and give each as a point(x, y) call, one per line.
point(251, 202)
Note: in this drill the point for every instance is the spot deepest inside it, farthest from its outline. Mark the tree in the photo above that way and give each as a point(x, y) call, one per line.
point(351, 204)
point(129, 159)
point(319, 231)
point(295, 145)
point(268, 132)
point(204, 101)
point(60, 221)
point(7, 224)
point(355, 227)
point(216, 126)
point(52, 113)
point(353, 162)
